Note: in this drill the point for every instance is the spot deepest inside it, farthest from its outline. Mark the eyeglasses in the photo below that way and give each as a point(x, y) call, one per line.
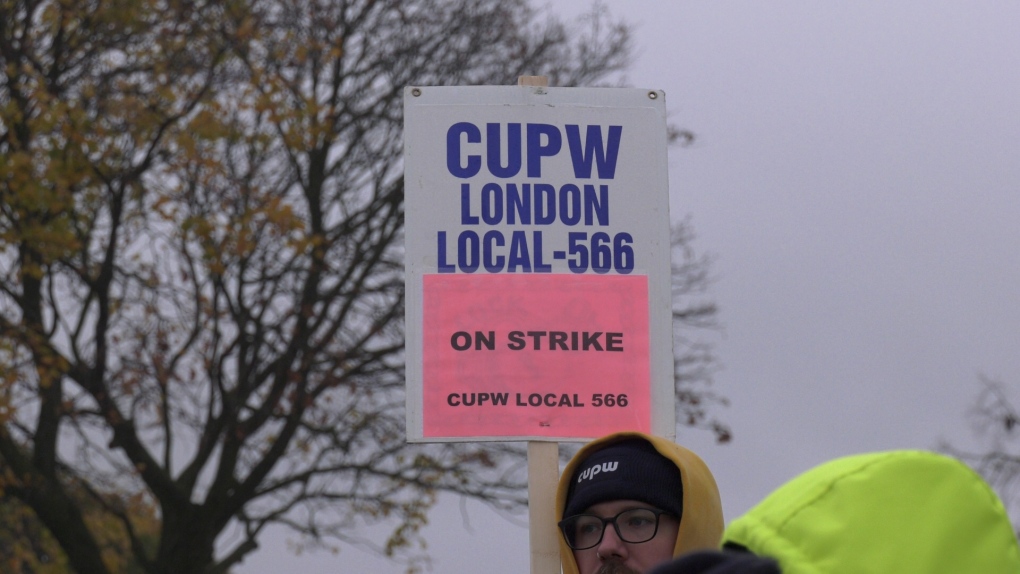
point(636, 525)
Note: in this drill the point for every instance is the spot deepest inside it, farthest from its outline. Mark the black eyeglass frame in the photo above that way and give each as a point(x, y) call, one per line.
point(612, 520)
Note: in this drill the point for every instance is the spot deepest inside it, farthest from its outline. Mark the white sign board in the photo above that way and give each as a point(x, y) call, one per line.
point(537, 263)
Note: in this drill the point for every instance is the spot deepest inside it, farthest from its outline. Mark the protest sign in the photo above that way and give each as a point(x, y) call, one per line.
point(537, 263)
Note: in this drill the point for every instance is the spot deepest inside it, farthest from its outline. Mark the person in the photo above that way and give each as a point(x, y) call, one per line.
point(904, 511)
point(629, 501)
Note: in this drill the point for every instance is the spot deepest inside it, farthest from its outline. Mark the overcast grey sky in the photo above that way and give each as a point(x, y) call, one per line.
point(856, 175)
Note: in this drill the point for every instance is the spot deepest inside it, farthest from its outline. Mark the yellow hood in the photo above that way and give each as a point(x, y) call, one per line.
point(901, 512)
point(701, 525)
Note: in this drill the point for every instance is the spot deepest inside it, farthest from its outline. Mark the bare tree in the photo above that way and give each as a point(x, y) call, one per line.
point(996, 422)
point(201, 213)
point(694, 315)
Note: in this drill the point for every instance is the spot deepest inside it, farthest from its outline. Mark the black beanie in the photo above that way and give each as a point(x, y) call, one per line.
point(627, 470)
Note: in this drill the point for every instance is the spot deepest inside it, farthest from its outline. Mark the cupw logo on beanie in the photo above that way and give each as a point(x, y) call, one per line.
point(627, 470)
point(591, 471)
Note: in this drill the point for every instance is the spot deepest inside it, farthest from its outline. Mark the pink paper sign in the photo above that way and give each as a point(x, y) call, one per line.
point(535, 355)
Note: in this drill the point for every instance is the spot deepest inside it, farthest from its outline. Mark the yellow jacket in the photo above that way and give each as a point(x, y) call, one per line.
point(897, 512)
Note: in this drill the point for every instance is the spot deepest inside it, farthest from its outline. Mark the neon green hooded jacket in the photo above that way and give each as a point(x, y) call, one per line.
point(701, 525)
point(899, 512)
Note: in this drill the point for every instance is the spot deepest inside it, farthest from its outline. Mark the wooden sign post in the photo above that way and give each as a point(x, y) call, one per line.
point(543, 475)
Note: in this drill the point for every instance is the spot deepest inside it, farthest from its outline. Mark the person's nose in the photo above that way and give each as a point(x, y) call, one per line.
point(611, 545)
